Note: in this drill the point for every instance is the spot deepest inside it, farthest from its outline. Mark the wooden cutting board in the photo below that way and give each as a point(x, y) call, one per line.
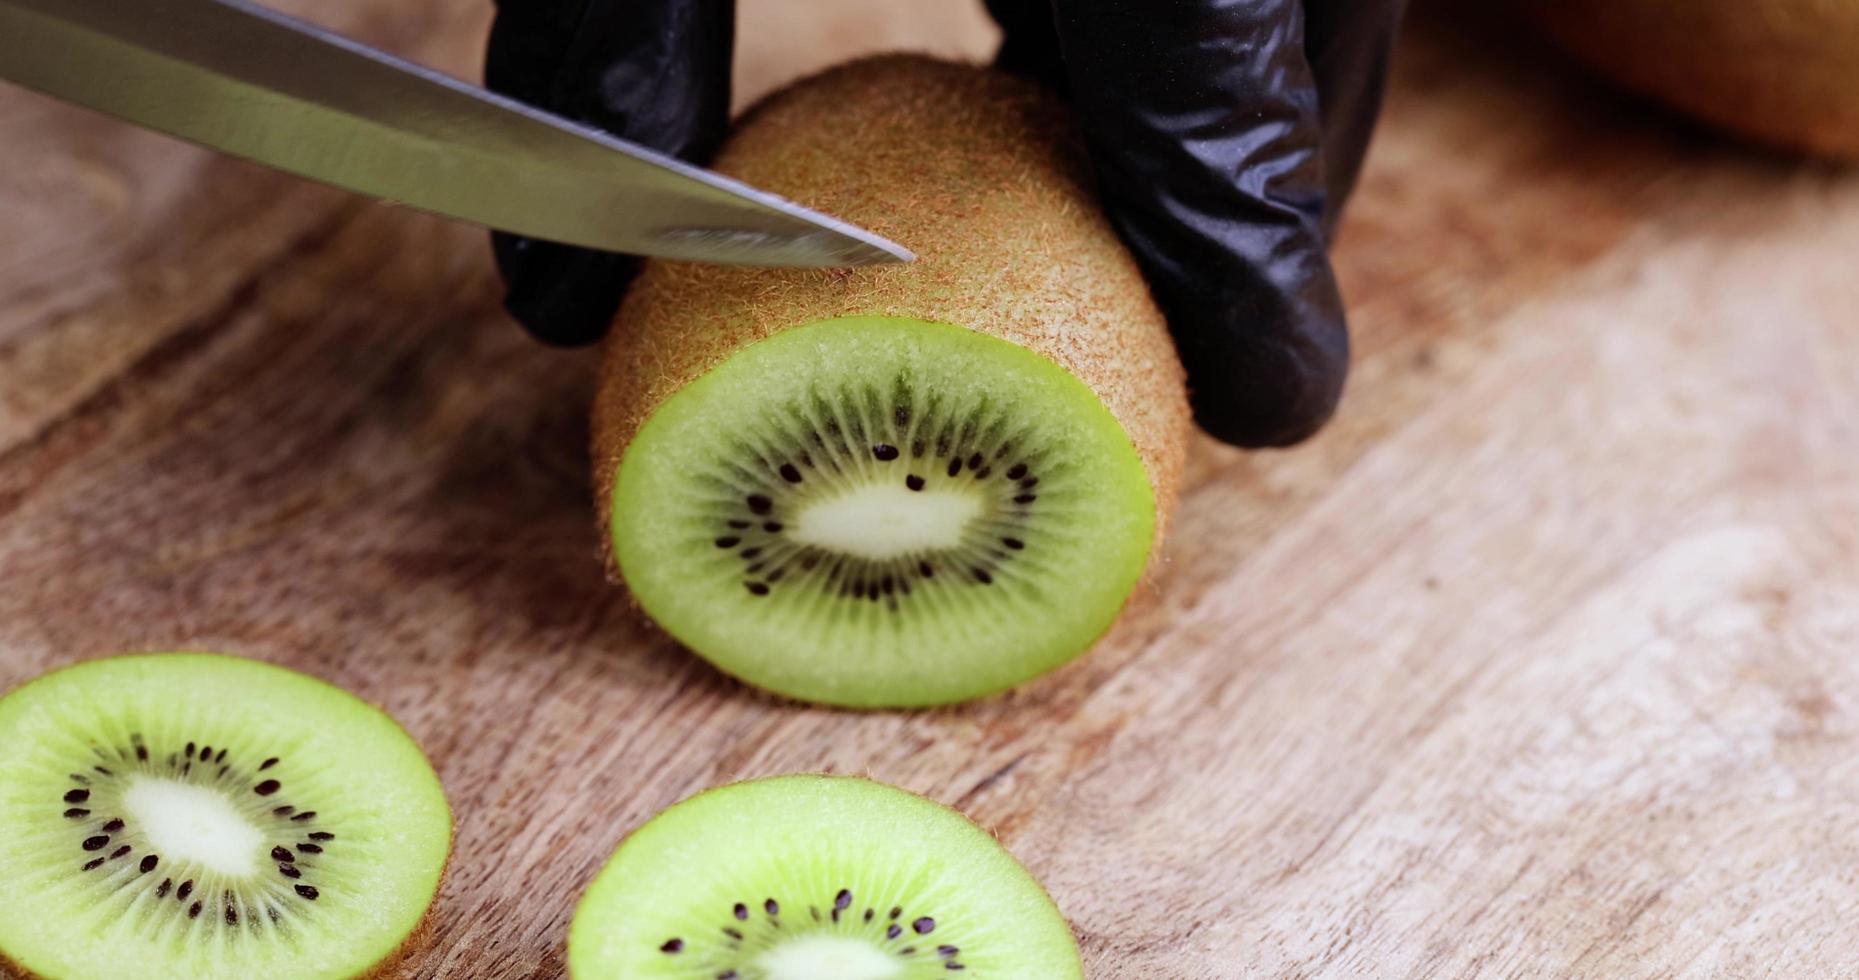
point(1542, 660)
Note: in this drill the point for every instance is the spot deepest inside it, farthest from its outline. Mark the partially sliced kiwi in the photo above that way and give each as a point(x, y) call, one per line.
point(813, 877)
point(196, 815)
point(878, 510)
point(910, 484)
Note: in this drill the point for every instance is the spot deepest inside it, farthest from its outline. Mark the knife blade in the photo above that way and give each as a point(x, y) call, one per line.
point(259, 85)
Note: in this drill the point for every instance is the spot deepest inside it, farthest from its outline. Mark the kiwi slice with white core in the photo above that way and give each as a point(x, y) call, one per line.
point(207, 816)
point(883, 511)
point(814, 877)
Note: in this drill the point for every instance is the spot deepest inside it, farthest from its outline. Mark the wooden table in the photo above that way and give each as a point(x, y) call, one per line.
point(1543, 659)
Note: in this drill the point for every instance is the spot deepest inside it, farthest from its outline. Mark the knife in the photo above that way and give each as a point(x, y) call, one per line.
point(254, 83)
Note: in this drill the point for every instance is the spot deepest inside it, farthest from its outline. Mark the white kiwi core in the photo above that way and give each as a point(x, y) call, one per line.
point(194, 823)
point(826, 957)
point(881, 521)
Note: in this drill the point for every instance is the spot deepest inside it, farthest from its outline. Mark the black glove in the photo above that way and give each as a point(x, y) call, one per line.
point(1226, 135)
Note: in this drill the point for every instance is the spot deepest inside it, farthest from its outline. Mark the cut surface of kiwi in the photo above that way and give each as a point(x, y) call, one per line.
point(813, 877)
point(878, 511)
point(201, 815)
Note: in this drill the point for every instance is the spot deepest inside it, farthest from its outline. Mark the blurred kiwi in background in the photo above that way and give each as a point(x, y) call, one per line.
point(1781, 72)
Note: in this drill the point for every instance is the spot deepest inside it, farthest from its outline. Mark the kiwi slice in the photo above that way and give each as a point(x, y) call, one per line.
point(812, 877)
point(906, 485)
point(200, 815)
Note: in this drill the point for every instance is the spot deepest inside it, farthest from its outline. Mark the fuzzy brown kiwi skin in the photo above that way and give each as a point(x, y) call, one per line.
point(983, 176)
point(1781, 72)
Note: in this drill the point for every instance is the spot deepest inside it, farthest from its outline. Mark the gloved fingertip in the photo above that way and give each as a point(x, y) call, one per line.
point(1258, 393)
point(563, 296)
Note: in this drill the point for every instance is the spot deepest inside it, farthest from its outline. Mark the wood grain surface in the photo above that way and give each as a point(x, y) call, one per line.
point(1541, 660)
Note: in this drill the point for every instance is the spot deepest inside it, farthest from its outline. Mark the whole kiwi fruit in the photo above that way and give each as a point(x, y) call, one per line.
point(1782, 72)
point(906, 484)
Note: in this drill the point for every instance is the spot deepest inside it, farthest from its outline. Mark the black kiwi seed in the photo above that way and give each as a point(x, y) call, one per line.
point(1014, 543)
point(283, 811)
point(282, 854)
point(883, 452)
point(321, 835)
point(914, 482)
point(974, 461)
point(93, 864)
point(728, 542)
point(120, 851)
point(187, 888)
point(955, 466)
point(982, 576)
point(771, 907)
point(772, 527)
point(790, 473)
point(307, 891)
point(1017, 471)
point(924, 926)
point(148, 863)
point(671, 946)
point(759, 504)
point(77, 813)
point(756, 588)
point(893, 931)
point(1025, 498)
point(982, 473)
point(741, 912)
point(732, 933)
point(268, 763)
point(305, 815)
point(309, 849)
point(1029, 483)
point(77, 796)
point(193, 911)
point(96, 843)
point(267, 787)
point(289, 871)
point(161, 890)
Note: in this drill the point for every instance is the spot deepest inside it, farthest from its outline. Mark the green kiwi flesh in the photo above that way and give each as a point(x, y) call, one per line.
point(880, 511)
point(204, 816)
point(812, 877)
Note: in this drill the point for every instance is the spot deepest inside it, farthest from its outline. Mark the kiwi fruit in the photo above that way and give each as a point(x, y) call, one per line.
point(815, 877)
point(900, 485)
point(1783, 72)
point(203, 816)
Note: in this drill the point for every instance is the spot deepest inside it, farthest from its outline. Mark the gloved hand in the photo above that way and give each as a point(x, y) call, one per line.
point(1226, 135)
